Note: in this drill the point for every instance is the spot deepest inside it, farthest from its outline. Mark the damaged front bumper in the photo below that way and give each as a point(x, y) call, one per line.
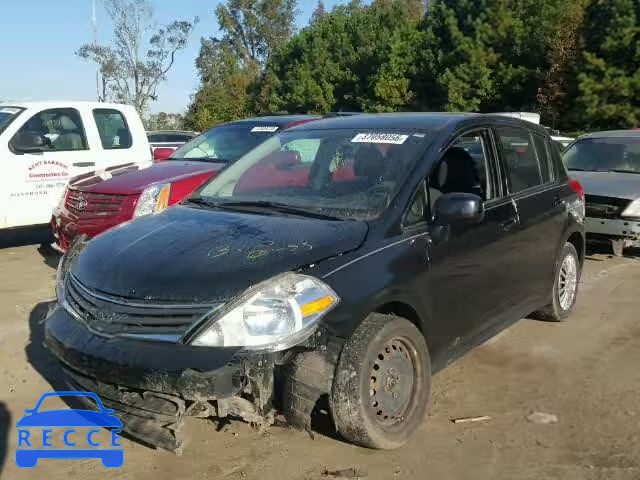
point(153, 385)
point(627, 231)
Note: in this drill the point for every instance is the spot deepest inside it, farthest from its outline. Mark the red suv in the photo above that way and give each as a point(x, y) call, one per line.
point(98, 201)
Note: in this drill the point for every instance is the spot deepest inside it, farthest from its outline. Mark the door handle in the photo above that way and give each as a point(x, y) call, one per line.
point(84, 164)
point(508, 224)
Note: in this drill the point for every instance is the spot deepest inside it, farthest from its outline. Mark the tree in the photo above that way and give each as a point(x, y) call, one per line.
point(609, 78)
point(318, 13)
point(356, 57)
point(492, 54)
point(557, 94)
point(231, 66)
point(253, 28)
point(128, 74)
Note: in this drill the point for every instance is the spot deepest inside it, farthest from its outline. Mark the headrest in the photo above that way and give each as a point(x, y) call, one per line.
point(457, 156)
point(63, 122)
point(287, 157)
point(369, 162)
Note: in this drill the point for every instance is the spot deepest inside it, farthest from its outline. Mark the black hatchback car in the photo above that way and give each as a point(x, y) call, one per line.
point(345, 259)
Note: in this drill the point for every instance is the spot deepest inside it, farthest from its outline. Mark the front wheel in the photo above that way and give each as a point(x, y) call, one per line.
point(381, 386)
point(565, 286)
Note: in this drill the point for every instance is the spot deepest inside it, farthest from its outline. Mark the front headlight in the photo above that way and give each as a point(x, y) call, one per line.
point(153, 199)
point(274, 315)
point(633, 210)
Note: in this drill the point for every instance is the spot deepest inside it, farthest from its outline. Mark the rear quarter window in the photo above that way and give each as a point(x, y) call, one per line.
point(113, 129)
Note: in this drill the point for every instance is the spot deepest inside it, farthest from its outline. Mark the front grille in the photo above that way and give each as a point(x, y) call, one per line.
point(604, 207)
point(93, 205)
point(118, 316)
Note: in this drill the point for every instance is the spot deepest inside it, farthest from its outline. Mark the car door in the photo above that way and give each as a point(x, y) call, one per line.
point(532, 185)
point(39, 179)
point(469, 285)
point(118, 142)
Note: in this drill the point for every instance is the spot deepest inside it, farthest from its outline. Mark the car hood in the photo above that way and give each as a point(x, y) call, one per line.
point(609, 184)
point(194, 254)
point(69, 418)
point(133, 178)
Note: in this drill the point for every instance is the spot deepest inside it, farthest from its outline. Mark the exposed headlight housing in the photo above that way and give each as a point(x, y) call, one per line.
point(633, 210)
point(153, 199)
point(274, 315)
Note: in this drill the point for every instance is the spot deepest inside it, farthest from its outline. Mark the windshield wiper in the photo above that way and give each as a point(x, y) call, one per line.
point(277, 207)
point(200, 202)
point(578, 169)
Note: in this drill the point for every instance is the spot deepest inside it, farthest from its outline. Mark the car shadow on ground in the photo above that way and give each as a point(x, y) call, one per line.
point(40, 358)
point(5, 424)
point(21, 237)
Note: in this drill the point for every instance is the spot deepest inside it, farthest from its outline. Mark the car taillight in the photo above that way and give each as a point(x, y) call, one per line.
point(162, 153)
point(576, 186)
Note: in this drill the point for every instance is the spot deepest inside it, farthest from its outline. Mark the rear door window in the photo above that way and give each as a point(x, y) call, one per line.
point(113, 129)
point(519, 157)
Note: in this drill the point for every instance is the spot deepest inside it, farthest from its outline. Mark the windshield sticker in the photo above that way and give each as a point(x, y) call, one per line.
point(9, 110)
point(379, 138)
point(419, 135)
point(264, 128)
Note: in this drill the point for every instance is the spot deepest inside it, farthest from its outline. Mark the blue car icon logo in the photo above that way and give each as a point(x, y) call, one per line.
point(35, 431)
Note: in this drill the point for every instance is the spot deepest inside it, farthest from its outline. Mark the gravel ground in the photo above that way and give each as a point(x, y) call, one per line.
point(585, 371)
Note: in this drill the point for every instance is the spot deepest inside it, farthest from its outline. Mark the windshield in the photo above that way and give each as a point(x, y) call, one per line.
point(604, 154)
point(8, 115)
point(345, 174)
point(225, 143)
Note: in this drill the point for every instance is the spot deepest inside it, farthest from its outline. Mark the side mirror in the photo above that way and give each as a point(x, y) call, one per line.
point(30, 142)
point(458, 209)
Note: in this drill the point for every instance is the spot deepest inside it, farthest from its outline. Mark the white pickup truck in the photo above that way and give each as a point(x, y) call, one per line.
point(44, 144)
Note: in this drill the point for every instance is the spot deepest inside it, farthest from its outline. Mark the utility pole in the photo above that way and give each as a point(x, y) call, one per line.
point(95, 43)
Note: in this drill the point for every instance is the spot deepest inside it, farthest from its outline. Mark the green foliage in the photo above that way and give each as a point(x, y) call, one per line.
point(609, 81)
point(230, 67)
point(353, 58)
point(574, 61)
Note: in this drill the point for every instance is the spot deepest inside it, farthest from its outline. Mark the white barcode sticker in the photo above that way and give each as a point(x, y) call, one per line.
point(379, 138)
point(264, 128)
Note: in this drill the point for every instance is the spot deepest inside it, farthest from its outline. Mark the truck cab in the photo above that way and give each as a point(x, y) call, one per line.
point(45, 144)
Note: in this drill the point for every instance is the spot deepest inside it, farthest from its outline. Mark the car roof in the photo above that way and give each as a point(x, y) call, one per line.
point(412, 121)
point(279, 120)
point(613, 134)
point(62, 104)
point(409, 121)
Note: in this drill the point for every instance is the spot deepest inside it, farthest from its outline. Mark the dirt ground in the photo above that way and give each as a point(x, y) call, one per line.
point(586, 371)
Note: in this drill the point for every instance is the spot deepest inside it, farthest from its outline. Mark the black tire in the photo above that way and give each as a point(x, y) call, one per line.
point(555, 311)
point(386, 418)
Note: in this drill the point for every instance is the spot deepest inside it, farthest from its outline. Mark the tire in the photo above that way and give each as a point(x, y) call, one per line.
point(559, 309)
point(373, 409)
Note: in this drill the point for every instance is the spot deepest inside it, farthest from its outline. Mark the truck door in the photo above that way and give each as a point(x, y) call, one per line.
point(37, 180)
point(122, 138)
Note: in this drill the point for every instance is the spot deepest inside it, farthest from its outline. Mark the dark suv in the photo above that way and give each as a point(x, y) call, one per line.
point(347, 259)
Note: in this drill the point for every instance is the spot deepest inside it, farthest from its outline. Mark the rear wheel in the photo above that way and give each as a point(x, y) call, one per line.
point(565, 286)
point(381, 386)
